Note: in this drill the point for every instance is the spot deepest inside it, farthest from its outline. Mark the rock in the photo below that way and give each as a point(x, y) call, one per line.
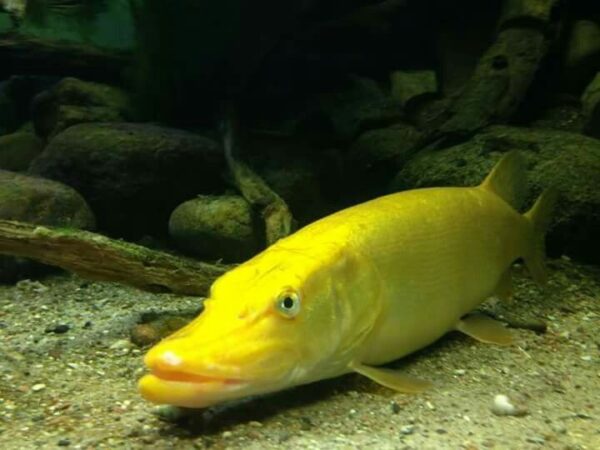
point(560, 113)
point(72, 101)
point(294, 170)
point(359, 105)
point(590, 101)
point(460, 41)
point(132, 175)
point(504, 406)
point(517, 12)
point(216, 227)
point(7, 21)
point(39, 201)
point(44, 202)
point(582, 58)
point(16, 94)
point(568, 161)
point(8, 120)
point(410, 86)
point(154, 326)
point(377, 155)
point(18, 149)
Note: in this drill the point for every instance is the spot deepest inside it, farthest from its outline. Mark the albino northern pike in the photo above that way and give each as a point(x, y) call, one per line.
point(354, 290)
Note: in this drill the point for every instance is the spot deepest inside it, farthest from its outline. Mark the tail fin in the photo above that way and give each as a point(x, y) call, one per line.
point(539, 216)
point(508, 179)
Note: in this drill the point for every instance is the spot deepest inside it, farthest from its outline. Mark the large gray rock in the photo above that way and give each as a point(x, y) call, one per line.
point(568, 161)
point(36, 200)
point(132, 175)
point(216, 227)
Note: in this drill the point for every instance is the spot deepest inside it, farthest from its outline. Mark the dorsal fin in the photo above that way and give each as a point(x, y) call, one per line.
point(508, 179)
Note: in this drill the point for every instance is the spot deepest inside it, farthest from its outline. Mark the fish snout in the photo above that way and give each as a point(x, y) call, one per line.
point(180, 364)
point(174, 380)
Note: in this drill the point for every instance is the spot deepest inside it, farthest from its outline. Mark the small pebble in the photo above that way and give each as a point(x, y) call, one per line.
point(64, 442)
point(395, 407)
point(306, 423)
point(58, 329)
point(226, 434)
point(169, 413)
point(502, 406)
point(284, 436)
point(38, 387)
point(407, 429)
point(536, 440)
point(121, 344)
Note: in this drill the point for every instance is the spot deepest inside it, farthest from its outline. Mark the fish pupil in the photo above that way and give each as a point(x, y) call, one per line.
point(288, 303)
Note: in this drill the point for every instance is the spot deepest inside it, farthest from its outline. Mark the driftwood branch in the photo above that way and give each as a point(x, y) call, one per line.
point(276, 213)
point(100, 258)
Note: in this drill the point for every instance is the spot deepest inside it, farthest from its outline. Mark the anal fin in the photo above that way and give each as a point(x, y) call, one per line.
point(391, 378)
point(484, 329)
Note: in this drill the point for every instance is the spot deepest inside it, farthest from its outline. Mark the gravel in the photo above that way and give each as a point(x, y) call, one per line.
point(77, 388)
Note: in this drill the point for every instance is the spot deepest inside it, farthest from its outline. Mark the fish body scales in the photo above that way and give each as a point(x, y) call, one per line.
point(437, 253)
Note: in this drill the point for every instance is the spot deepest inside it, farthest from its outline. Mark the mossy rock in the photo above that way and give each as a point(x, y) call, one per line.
point(133, 175)
point(39, 201)
point(358, 105)
point(216, 227)
point(16, 95)
point(17, 150)
point(72, 101)
point(570, 162)
point(377, 155)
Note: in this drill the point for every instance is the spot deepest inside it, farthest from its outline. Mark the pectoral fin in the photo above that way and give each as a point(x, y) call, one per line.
point(391, 378)
point(484, 329)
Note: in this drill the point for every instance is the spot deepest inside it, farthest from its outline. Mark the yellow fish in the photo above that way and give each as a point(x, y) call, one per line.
point(354, 290)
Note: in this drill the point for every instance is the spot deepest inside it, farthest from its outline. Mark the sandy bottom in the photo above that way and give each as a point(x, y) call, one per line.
point(68, 376)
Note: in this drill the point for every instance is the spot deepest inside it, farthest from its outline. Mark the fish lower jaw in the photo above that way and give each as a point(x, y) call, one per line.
point(190, 377)
point(193, 392)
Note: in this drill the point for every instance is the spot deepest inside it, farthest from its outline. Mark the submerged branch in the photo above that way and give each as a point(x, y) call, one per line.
point(100, 258)
point(278, 218)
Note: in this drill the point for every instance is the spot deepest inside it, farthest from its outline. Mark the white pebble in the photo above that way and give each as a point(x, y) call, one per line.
point(121, 344)
point(38, 387)
point(503, 407)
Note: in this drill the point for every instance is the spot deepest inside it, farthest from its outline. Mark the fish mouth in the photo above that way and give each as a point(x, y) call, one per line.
point(189, 389)
point(194, 378)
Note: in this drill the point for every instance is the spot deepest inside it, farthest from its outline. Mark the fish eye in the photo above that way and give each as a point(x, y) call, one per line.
point(288, 303)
